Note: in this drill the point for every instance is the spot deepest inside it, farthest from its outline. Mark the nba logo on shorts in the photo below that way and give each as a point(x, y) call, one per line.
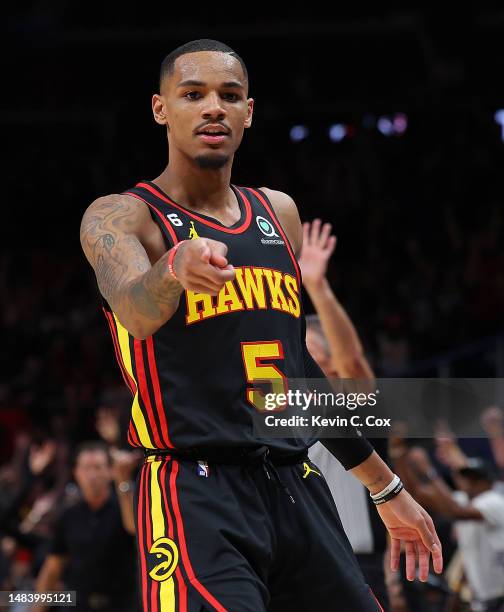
point(203, 469)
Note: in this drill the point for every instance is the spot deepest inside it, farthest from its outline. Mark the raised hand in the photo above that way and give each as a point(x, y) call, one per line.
point(40, 456)
point(201, 265)
point(492, 421)
point(448, 450)
point(124, 463)
point(107, 425)
point(318, 246)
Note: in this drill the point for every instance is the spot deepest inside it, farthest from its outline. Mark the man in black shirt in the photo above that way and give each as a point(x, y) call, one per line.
point(93, 548)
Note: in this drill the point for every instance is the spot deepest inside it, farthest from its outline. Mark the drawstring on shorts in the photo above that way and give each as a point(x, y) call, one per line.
point(240, 456)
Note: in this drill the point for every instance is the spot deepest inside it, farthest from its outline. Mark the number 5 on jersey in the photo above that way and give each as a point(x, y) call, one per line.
point(258, 372)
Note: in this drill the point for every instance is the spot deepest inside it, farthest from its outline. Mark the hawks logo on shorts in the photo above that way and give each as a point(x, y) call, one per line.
point(164, 553)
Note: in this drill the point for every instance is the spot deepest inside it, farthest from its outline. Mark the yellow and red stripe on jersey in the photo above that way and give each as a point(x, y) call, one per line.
point(148, 426)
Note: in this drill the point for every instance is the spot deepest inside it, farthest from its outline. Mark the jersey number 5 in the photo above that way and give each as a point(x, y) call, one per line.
point(258, 372)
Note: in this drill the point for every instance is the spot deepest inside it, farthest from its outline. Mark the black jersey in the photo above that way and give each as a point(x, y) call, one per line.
point(195, 380)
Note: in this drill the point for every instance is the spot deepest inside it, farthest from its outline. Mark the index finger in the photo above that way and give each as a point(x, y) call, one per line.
point(218, 252)
point(215, 274)
point(217, 247)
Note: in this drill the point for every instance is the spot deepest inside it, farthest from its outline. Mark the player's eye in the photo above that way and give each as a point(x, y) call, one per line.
point(231, 97)
point(192, 95)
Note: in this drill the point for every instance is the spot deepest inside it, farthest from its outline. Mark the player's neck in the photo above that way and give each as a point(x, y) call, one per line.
point(195, 187)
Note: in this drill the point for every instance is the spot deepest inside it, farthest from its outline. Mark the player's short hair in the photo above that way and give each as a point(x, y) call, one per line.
point(92, 445)
point(202, 44)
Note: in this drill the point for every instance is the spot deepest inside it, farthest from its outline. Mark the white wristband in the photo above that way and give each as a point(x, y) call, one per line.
point(390, 487)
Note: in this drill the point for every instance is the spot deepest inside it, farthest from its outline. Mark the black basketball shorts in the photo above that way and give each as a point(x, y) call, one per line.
point(243, 538)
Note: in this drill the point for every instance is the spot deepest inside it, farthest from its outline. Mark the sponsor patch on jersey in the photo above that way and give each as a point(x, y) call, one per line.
point(268, 230)
point(266, 227)
point(203, 469)
point(272, 241)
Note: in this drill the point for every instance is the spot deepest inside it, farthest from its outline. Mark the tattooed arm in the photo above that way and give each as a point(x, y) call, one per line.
point(142, 296)
point(115, 232)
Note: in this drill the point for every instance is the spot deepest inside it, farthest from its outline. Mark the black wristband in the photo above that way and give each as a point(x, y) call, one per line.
point(394, 493)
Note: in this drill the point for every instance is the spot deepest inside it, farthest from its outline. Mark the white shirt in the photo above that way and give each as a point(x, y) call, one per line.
point(350, 498)
point(482, 544)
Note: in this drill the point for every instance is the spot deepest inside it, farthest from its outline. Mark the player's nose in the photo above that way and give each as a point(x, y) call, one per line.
point(213, 107)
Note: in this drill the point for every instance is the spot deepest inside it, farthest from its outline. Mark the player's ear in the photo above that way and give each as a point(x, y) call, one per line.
point(250, 112)
point(159, 110)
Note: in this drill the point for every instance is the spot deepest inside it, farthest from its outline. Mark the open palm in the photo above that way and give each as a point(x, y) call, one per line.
point(318, 246)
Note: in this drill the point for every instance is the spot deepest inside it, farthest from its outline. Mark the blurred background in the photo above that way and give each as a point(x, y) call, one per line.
point(388, 124)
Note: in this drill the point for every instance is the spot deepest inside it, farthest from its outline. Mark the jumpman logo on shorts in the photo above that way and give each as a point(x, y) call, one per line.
point(309, 470)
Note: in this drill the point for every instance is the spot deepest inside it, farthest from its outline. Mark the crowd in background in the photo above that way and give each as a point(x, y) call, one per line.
point(419, 267)
point(38, 484)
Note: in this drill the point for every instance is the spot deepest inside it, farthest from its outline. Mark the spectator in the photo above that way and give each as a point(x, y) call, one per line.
point(478, 509)
point(92, 550)
point(492, 421)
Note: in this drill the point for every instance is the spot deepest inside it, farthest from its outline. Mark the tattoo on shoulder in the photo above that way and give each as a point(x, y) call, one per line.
point(120, 261)
point(104, 242)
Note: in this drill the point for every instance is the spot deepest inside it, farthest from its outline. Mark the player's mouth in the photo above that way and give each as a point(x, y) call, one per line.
point(213, 138)
point(213, 134)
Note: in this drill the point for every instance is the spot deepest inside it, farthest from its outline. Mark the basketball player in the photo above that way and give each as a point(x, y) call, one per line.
point(201, 291)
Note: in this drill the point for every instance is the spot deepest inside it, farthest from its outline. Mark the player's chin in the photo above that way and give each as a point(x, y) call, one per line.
point(212, 160)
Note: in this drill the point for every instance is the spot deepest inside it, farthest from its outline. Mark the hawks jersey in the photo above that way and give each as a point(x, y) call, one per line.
point(197, 380)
